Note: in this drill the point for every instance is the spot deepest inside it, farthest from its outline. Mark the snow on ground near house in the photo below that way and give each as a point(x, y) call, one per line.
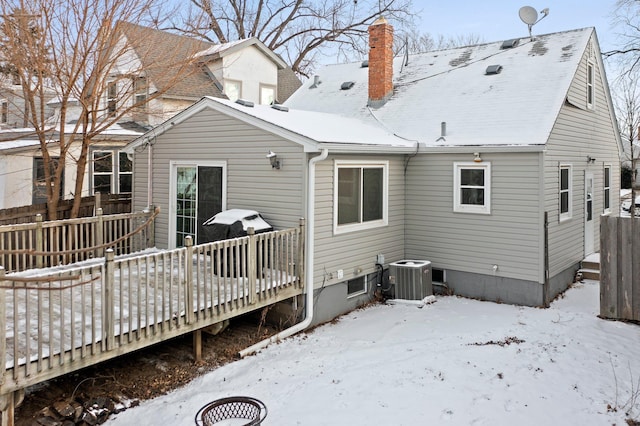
point(441, 364)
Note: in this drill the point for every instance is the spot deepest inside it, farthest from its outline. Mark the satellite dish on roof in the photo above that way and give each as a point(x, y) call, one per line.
point(528, 15)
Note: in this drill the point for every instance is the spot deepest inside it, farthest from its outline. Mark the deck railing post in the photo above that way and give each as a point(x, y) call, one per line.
point(151, 236)
point(188, 278)
point(109, 296)
point(39, 242)
point(252, 264)
point(3, 326)
point(300, 260)
point(99, 233)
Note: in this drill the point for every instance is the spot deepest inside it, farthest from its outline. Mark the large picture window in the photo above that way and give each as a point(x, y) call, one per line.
point(565, 192)
point(472, 188)
point(360, 196)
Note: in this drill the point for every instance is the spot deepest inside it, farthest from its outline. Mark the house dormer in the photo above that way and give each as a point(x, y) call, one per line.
point(245, 69)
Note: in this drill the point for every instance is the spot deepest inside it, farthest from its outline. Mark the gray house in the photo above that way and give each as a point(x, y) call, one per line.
point(493, 162)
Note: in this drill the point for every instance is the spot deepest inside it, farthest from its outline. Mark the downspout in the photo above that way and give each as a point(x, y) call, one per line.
point(309, 252)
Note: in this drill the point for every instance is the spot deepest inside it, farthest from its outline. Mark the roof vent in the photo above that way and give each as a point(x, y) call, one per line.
point(280, 107)
point(347, 85)
point(364, 64)
point(493, 69)
point(245, 102)
point(316, 82)
point(510, 44)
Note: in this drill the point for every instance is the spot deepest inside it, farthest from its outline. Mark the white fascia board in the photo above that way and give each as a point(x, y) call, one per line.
point(470, 149)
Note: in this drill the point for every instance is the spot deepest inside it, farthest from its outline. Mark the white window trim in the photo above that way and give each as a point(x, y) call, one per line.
point(234, 82)
point(267, 86)
point(342, 229)
point(361, 292)
point(569, 214)
point(173, 209)
point(604, 189)
point(591, 87)
point(465, 208)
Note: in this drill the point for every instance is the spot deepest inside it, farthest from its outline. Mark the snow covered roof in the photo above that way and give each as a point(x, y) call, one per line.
point(516, 106)
point(221, 50)
point(313, 130)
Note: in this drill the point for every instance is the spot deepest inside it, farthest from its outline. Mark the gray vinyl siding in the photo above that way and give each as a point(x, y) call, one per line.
point(580, 132)
point(251, 182)
point(509, 237)
point(355, 252)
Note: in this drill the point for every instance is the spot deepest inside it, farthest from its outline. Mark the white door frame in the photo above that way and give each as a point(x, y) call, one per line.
point(173, 167)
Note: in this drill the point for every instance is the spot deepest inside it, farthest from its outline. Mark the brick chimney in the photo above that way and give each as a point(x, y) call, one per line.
point(380, 62)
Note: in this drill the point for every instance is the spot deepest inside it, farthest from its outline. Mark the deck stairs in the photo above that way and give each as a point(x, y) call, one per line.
point(590, 267)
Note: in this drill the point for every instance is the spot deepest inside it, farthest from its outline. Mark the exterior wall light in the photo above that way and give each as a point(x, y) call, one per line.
point(590, 159)
point(273, 159)
point(477, 157)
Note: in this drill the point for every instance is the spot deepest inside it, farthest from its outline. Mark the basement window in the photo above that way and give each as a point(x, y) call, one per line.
point(356, 286)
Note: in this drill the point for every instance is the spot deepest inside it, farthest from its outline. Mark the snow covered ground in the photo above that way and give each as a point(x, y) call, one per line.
point(453, 362)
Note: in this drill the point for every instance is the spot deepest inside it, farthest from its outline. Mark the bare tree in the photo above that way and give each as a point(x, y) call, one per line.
point(626, 17)
point(627, 104)
point(419, 42)
point(76, 48)
point(300, 31)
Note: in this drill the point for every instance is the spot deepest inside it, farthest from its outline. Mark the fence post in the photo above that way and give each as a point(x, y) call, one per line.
point(3, 326)
point(97, 203)
point(301, 242)
point(252, 264)
point(188, 288)
point(151, 242)
point(39, 242)
point(109, 299)
point(99, 233)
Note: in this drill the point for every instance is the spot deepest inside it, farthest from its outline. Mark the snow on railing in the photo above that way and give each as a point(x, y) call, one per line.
point(56, 320)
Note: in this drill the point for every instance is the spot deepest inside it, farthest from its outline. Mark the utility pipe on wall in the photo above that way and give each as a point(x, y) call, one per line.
point(309, 251)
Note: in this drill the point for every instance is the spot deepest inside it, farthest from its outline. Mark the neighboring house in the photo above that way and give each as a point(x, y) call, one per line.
point(494, 162)
point(149, 68)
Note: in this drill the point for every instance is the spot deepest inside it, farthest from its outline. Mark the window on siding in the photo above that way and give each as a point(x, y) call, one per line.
point(112, 98)
point(472, 188)
point(360, 198)
point(590, 86)
point(39, 194)
point(110, 176)
point(607, 189)
point(4, 111)
point(267, 94)
point(356, 286)
point(565, 192)
point(233, 89)
point(140, 92)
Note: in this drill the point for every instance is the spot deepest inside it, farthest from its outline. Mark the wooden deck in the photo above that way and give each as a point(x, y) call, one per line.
point(58, 320)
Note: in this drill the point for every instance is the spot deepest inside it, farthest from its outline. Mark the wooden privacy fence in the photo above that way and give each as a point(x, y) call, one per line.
point(61, 321)
point(620, 268)
point(109, 203)
point(52, 243)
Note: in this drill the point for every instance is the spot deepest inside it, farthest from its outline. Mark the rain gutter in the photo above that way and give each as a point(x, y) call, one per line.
point(308, 267)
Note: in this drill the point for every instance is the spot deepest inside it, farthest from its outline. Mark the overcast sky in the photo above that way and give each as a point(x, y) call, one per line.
point(494, 20)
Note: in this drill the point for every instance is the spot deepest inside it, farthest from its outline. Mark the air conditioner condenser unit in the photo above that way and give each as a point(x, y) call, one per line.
point(411, 279)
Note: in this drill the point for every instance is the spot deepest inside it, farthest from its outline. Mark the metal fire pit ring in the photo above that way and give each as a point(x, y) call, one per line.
point(233, 407)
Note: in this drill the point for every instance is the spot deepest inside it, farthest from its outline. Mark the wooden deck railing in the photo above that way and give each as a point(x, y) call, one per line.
point(57, 321)
point(52, 243)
